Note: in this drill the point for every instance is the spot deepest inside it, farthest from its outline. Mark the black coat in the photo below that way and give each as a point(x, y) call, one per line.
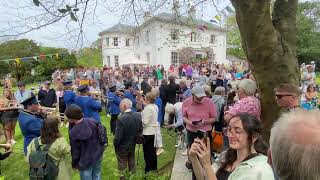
point(145, 87)
point(47, 98)
point(129, 126)
point(171, 92)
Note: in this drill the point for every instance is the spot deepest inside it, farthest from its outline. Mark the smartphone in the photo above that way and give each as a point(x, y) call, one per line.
point(202, 135)
point(196, 122)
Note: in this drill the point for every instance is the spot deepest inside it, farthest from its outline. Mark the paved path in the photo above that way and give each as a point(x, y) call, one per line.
point(179, 170)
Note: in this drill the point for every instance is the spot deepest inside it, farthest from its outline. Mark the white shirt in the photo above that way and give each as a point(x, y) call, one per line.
point(149, 119)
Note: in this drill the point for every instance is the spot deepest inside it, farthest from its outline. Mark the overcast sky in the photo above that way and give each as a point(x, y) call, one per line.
point(13, 13)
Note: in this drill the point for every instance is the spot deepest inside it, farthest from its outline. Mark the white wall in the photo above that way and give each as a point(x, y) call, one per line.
point(160, 44)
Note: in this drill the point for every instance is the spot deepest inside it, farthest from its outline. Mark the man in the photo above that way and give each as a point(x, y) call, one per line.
point(88, 105)
point(199, 113)
point(203, 79)
point(171, 91)
point(145, 86)
point(86, 149)
point(47, 96)
point(85, 80)
point(68, 94)
point(130, 94)
point(129, 126)
point(22, 94)
point(30, 121)
point(113, 106)
point(287, 96)
point(295, 145)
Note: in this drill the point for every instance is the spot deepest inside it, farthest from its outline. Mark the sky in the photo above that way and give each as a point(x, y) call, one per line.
point(19, 15)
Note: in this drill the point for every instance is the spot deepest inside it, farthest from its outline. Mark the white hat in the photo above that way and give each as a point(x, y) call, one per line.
point(198, 91)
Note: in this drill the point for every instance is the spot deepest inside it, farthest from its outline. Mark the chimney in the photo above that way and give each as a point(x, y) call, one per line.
point(147, 16)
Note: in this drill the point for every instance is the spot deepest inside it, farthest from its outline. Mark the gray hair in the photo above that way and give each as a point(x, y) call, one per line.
point(127, 102)
point(169, 108)
point(295, 145)
point(155, 91)
point(219, 91)
point(249, 86)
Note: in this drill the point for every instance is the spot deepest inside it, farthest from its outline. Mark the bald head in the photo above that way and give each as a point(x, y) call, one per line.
point(295, 145)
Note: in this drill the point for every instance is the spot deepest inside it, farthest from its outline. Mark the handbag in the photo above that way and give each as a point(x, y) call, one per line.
point(217, 141)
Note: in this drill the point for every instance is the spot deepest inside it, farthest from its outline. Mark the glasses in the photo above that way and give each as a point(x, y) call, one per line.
point(279, 96)
point(234, 131)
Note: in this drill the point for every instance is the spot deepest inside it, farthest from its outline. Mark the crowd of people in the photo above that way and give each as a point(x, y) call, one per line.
point(201, 102)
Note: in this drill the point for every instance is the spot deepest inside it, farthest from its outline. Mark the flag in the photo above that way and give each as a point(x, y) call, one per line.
point(218, 17)
point(229, 9)
point(35, 58)
point(213, 21)
point(17, 60)
point(57, 55)
point(25, 59)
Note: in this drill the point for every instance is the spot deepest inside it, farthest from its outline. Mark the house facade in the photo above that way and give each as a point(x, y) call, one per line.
point(159, 39)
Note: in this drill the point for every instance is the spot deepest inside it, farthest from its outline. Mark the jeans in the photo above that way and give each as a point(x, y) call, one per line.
point(93, 172)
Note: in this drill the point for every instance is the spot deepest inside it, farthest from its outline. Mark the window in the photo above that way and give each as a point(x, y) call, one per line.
point(108, 61)
point(147, 36)
point(115, 41)
point(138, 41)
point(174, 58)
point(148, 57)
point(193, 37)
point(116, 61)
point(212, 38)
point(198, 56)
point(107, 41)
point(174, 34)
point(128, 42)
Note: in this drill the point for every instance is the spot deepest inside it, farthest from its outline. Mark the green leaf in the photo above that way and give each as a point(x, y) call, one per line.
point(36, 2)
point(68, 7)
point(73, 17)
point(76, 9)
point(62, 10)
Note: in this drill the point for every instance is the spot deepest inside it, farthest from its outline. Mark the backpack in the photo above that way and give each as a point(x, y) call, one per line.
point(42, 166)
point(102, 133)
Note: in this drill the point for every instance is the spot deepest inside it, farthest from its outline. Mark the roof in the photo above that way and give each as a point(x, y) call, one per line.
point(167, 18)
point(119, 28)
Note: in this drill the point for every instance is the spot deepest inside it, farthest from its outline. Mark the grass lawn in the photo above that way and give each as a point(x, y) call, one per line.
point(16, 167)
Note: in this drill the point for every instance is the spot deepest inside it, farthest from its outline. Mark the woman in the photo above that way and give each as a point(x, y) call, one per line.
point(245, 159)
point(158, 102)
point(247, 103)
point(9, 117)
point(149, 122)
point(311, 97)
point(59, 150)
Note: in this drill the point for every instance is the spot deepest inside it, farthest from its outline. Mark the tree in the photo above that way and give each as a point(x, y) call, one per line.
point(308, 32)
point(90, 57)
point(233, 38)
point(269, 42)
point(186, 55)
point(17, 49)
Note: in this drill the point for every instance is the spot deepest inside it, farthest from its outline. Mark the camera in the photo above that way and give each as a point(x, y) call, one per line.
point(202, 134)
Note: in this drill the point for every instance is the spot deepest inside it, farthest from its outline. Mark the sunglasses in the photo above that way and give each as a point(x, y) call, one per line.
point(279, 96)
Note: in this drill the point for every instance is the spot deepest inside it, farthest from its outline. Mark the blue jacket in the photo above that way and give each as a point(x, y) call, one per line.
point(86, 149)
point(30, 126)
point(158, 102)
point(113, 103)
point(68, 97)
point(89, 106)
point(129, 95)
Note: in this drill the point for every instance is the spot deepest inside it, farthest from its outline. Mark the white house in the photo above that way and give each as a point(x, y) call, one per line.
point(159, 39)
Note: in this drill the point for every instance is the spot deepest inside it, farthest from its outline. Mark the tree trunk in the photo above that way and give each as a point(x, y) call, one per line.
point(269, 43)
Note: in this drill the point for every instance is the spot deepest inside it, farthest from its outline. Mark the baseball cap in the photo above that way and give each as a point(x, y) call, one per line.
point(83, 88)
point(29, 101)
point(198, 91)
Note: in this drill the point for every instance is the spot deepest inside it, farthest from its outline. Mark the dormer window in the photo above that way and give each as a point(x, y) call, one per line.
point(193, 37)
point(174, 34)
point(115, 41)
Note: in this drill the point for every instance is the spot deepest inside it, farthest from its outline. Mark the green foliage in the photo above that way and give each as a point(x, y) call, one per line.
point(18, 48)
point(308, 32)
point(46, 67)
point(234, 38)
point(90, 57)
